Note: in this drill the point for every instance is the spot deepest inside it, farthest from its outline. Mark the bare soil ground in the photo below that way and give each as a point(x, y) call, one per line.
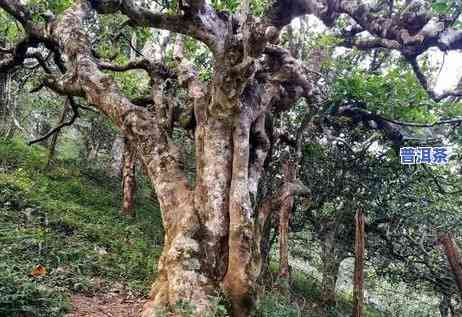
point(107, 305)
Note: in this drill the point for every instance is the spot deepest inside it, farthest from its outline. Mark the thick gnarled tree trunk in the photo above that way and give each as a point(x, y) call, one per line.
point(213, 231)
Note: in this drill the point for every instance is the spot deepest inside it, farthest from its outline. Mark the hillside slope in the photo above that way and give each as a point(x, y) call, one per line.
point(66, 249)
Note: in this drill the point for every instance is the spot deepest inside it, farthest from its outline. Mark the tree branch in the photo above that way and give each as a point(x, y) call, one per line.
point(19, 54)
point(424, 82)
point(75, 115)
point(282, 12)
point(16, 9)
point(370, 43)
point(153, 69)
point(142, 127)
point(42, 61)
point(187, 75)
point(200, 22)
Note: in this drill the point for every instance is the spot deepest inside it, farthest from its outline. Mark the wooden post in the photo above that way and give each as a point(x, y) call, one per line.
point(453, 255)
point(358, 278)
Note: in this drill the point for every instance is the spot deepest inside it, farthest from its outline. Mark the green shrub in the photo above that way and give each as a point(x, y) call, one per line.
point(15, 153)
point(71, 224)
point(274, 305)
point(21, 297)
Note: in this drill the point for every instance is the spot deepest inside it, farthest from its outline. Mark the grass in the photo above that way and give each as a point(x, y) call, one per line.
point(68, 223)
point(303, 299)
point(67, 220)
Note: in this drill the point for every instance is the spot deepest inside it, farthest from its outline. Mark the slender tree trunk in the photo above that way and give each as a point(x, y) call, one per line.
point(453, 255)
point(284, 217)
point(128, 180)
point(93, 151)
point(266, 242)
point(3, 100)
point(330, 267)
point(117, 154)
point(13, 110)
point(444, 305)
point(358, 278)
point(133, 46)
point(329, 281)
point(54, 138)
point(8, 121)
point(244, 258)
point(268, 220)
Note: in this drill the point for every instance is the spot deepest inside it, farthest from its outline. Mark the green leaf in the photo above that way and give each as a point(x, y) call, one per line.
point(440, 7)
point(458, 25)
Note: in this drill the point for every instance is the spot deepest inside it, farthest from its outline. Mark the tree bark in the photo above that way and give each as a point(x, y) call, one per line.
point(54, 138)
point(284, 217)
point(444, 305)
point(93, 151)
point(8, 118)
point(358, 278)
point(212, 230)
point(266, 240)
point(128, 180)
point(331, 265)
point(117, 156)
point(4, 93)
point(453, 256)
point(4, 97)
point(133, 46)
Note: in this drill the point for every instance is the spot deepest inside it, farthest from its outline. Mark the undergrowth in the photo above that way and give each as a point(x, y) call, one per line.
point(66, 220)
point(69, 224)
point(302, 298)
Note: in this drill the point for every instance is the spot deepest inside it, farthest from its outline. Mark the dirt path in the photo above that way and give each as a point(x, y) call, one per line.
point(111, 305)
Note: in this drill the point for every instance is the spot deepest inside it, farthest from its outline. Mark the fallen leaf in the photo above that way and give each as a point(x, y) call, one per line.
point(39, 270)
